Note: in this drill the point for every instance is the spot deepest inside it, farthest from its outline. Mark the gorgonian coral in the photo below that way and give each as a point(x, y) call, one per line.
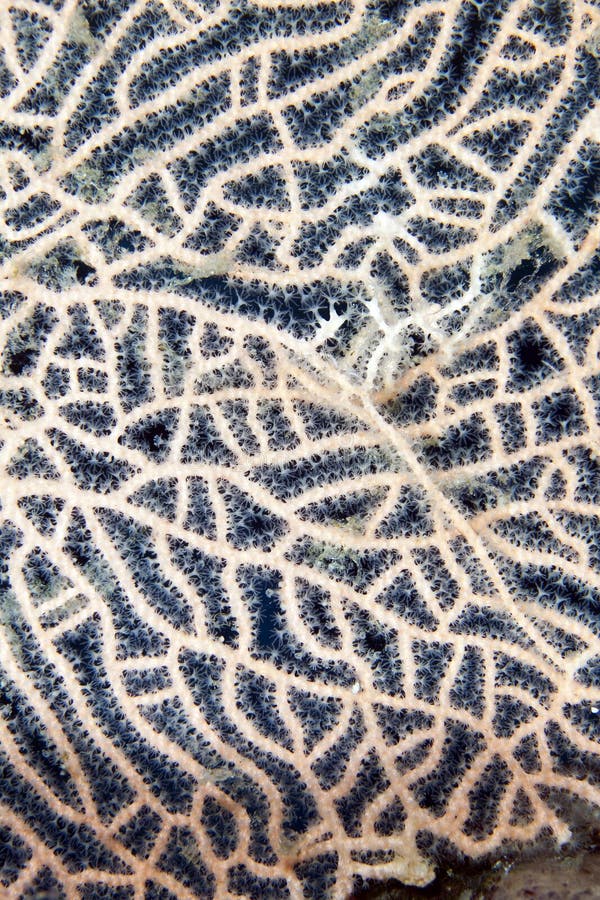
point(299, 461)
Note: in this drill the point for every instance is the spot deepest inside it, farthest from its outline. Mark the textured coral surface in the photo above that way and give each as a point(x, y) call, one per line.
point(299, 444)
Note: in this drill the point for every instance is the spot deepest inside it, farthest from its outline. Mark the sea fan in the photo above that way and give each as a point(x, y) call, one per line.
point(299, 463)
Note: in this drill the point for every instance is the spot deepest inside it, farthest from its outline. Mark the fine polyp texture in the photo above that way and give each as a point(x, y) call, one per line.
point(299, 445)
